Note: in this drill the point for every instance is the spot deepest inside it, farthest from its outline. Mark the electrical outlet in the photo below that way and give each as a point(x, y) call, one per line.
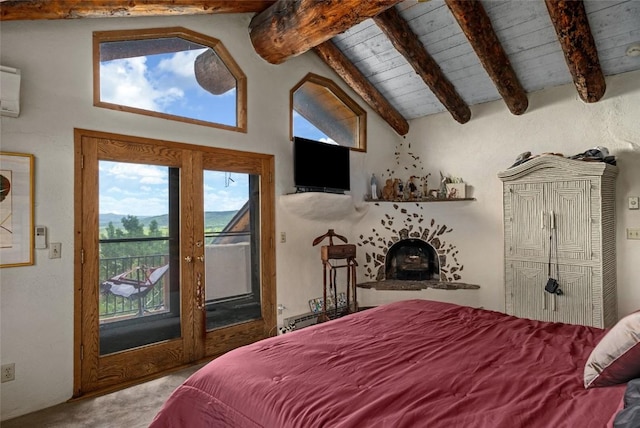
point(8, 372)
point(633, 233)
point(283, 237)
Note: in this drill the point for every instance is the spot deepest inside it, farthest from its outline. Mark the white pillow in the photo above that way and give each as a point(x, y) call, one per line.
point(616, 358)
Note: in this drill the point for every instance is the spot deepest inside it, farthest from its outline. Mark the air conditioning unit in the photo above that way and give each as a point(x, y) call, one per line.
point(9, 91)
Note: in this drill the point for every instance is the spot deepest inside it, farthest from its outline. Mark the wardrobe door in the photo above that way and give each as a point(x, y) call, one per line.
point(570, 202)
point(525, 221)
point(575, 305)
point(525, 295)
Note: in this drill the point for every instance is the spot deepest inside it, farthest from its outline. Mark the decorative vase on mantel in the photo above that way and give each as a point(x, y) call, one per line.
point(374, 187)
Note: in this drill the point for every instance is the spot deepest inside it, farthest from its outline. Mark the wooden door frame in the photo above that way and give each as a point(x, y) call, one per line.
point(188, 348)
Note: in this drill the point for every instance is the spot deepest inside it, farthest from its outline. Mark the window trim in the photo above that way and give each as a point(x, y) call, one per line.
point(183, 33)
point(361, 142)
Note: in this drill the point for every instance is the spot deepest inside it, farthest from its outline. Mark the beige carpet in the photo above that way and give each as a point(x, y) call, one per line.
point(134, 407)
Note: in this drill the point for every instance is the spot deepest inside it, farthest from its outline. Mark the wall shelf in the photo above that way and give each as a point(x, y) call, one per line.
point(321, 206)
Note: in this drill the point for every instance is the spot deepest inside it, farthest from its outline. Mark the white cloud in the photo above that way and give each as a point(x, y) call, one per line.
point(148, 174)
point(153, 180)
point(181, 63)
point(223, 201)
point(133, 206)
point(127, 82)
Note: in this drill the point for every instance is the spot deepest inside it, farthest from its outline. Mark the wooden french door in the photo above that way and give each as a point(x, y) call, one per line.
point(168, 271)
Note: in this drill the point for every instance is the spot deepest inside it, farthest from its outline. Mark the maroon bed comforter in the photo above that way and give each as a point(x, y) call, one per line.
point(414, 363)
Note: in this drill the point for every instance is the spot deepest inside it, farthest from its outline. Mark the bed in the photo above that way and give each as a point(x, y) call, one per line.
point(414, 363)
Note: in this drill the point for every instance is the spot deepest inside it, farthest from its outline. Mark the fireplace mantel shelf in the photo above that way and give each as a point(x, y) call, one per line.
point(419, 201)
point(392, 284)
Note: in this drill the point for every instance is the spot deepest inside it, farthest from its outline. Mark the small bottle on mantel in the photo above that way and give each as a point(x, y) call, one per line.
point(374, 187)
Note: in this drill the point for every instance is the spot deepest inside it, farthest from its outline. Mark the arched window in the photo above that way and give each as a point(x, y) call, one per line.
point(321, 111)
point(173, 73)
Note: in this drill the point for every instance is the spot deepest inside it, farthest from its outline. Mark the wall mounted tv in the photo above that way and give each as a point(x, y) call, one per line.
point(320, 167)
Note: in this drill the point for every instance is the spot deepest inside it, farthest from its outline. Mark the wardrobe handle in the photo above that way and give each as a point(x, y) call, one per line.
point(552, 218)
point(541, 219)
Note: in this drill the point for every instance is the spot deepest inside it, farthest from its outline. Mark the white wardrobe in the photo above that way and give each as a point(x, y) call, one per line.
point(567, 207)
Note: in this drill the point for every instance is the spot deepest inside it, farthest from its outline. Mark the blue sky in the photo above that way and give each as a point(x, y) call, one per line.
point(167, 83)
point(142, 190)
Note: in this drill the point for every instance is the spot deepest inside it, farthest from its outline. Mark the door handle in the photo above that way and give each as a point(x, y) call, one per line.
point(200, 298)
point(552, 218)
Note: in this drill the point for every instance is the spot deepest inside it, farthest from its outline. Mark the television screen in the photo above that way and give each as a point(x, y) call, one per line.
point(320, 167)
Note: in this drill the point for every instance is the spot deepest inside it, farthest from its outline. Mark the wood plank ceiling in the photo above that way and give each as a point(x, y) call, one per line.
point(411, 58)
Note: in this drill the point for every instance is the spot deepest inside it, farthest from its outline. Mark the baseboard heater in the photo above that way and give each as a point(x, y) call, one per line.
point(305, 320)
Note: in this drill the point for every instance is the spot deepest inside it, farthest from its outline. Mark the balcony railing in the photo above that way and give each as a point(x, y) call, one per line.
point(114, 307)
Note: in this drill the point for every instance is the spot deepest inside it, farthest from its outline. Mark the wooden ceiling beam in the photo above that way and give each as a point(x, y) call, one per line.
point(407, 43)
point(335, 59)
point(569, 18)
point(476, 25)
point(14, 10)
point(290, 28)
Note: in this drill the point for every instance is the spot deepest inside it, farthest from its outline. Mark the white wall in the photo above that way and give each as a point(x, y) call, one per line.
point(36, 302)
point(55, 57)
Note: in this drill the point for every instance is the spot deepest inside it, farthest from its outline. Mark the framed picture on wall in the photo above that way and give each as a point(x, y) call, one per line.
point(16, 209)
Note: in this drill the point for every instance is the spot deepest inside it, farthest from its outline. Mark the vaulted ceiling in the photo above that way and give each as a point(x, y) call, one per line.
point(412, 58)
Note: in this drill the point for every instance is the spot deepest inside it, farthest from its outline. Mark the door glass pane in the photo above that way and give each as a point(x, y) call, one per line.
point(139, 246)
point(232, 262)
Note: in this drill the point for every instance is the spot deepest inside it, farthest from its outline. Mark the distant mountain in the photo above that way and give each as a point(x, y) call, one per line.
point(212, 219)
point(104, 219)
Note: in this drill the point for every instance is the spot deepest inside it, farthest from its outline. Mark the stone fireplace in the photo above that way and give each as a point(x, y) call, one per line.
point(412, 260)
point(410, 253)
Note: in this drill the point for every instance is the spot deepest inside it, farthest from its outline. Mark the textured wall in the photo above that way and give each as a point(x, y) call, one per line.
point(36, 302)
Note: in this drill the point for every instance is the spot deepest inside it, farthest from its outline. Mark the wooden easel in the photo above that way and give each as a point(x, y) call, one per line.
point(330, 252)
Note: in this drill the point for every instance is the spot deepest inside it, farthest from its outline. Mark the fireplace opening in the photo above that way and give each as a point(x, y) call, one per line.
point(412, 260)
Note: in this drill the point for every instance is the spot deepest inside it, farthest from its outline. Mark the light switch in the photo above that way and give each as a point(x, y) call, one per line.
point(55, 250)
point(634, 203)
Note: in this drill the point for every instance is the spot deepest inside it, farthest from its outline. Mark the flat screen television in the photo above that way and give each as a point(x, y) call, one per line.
point(320, 167)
